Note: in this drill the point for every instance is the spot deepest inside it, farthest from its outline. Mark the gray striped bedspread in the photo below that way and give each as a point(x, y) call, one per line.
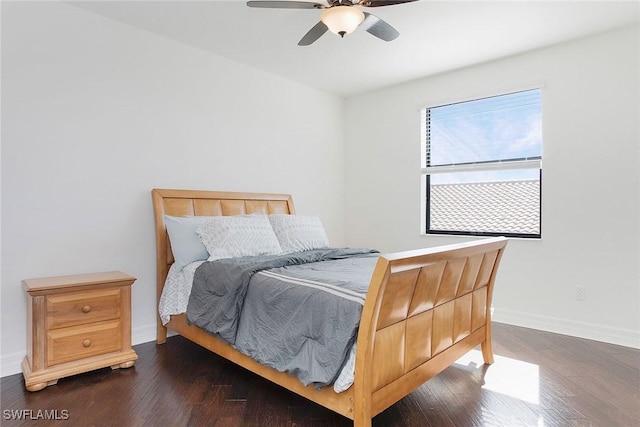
point(297, 313)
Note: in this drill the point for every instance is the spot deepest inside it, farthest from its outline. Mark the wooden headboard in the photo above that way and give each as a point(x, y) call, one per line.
point(209, 203)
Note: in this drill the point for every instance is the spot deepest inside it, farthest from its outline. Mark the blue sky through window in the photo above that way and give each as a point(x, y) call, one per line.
point(497, 128)
point(491, 129)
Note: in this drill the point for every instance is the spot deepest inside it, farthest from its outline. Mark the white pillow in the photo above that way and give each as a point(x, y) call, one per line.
point(297, 233)
point(185, 243)
point(238, 236)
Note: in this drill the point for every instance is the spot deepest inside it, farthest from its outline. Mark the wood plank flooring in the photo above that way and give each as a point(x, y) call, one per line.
point(538, 379)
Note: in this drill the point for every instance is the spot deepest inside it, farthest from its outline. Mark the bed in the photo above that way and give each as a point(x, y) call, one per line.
point(423, 310)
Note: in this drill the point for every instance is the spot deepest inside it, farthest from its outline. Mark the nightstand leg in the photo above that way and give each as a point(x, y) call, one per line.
point(124, 365)
point(40, 386)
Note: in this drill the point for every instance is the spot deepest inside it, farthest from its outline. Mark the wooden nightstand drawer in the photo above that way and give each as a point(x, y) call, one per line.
point(79, 342)
point(76, 308)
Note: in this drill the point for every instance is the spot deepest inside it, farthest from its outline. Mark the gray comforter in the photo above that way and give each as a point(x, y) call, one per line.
point(296, 313)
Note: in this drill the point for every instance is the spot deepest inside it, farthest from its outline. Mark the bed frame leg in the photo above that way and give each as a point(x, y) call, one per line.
point(161, 336)
point(487, 348)
point(362, 413)
point(487, 352)
point(361, 405)
point(362, 422)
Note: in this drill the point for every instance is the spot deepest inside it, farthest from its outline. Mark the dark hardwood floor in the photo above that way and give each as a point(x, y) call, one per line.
point(538, 379)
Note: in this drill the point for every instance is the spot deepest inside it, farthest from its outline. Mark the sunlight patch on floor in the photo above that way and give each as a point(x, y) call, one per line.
point(512, 377)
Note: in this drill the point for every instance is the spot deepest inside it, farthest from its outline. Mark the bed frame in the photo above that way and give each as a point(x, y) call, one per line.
point(423, 311)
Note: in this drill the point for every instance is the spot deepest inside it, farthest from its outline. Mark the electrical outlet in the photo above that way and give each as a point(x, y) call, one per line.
point(581, 293)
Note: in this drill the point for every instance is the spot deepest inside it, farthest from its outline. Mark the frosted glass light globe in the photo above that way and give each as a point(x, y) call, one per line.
point(342, 20)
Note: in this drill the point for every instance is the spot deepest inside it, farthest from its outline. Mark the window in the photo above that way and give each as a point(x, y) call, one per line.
point(482, 166)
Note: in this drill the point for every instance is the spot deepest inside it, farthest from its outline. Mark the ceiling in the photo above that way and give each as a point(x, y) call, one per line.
point(435, 36)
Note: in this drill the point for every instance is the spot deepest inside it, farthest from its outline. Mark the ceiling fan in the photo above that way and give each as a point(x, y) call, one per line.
point(341, 17)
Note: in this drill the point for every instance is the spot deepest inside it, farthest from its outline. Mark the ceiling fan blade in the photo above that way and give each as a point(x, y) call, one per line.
point(379, 28)
point(378, 3)
point(313, 34)
point(285, 4)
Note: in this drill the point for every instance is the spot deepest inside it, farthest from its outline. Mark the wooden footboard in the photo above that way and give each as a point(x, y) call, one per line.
point(423, 311)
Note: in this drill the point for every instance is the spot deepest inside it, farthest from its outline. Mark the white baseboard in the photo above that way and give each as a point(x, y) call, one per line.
point(592, 331)
point(11, 364)
point(143, 334)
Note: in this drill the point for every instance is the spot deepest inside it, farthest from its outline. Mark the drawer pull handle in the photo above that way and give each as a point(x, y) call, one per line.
point(86, 309)
point(86, 343)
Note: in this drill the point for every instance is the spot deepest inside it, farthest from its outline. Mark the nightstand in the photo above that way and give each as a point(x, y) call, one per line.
point(77, 324)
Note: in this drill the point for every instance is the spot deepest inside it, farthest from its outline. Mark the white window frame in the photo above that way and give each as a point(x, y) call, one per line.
point(510, 164)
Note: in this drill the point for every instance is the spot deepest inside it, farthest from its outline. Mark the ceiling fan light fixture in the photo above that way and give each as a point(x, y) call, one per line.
point(342, 20)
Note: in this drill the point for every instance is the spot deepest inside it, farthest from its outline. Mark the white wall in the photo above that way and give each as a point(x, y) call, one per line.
point(591, 188)
point(96, 113)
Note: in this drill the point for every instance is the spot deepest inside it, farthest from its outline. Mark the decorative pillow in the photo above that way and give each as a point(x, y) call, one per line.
point(185, 243)
point(238, 236)
point(297, 233)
